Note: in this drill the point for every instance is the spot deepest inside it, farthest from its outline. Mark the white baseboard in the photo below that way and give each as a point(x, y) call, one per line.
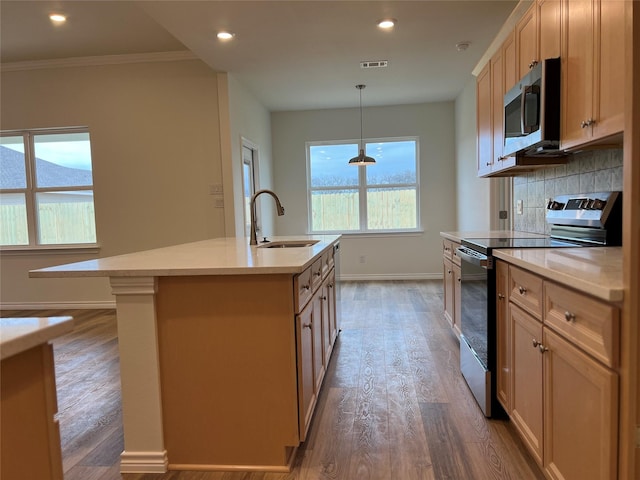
point(57, 305)
point(144, 462)
point(390, 276)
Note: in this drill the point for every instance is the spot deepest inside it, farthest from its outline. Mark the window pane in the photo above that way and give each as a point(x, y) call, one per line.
point(63, 160)
point(334, 210)
point(391, 208)
point(13, 219)
point(330, 165)
point(395, 163)
point(12, 166)
point(65, 217)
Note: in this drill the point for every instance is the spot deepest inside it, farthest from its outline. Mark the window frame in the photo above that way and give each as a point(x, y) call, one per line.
point(31, 190)
point(363, 188)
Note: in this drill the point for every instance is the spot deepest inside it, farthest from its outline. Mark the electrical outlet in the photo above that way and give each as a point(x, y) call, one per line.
point(519, 207)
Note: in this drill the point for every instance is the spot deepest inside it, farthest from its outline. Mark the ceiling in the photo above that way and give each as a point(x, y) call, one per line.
point(292, 55)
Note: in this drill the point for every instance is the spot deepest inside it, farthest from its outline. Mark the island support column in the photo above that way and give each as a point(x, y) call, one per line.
point(144, 449)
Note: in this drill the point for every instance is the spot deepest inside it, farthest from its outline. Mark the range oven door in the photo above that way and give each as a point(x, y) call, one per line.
point(477, 341)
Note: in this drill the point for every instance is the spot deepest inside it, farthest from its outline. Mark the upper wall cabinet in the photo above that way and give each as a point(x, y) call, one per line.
point(526, 32)
point(592, 72)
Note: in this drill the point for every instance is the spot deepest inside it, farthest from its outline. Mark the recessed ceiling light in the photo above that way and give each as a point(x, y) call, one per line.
point(225, 35)
point(387, 23)
point(57, 18)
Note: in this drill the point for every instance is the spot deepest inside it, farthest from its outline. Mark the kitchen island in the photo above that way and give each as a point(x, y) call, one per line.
point(223, 349)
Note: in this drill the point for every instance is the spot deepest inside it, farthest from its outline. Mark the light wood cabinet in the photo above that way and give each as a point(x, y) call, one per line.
point(549, 25)
point(592, 71)
point(526, 31)
point(452, 284)
point(564, 393)
point(30, 433)
point(484, 121)
point(527, 382)
point(580, 413)
point(306, 367)
point(503, 331)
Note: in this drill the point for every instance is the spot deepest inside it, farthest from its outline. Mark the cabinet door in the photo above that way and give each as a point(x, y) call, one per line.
point(306, 381)
point(577, 71)
point(527, 41)
point(328, 319)
point(484, 121)
point(609, 76)
point(457, 304)
point(510, 65)
point(497, 109)
point(549, 28)
point(580, 405)
point(503, 329)
point(318, 350)
point(331, 299)
point(526, 386)
point(448, 289)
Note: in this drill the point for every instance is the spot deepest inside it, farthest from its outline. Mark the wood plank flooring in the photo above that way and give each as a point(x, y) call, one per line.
point(393, 406)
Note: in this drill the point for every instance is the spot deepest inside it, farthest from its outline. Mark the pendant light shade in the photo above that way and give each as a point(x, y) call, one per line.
point(361, 159)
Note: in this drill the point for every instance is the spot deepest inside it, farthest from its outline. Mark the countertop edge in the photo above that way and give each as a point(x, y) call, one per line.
point(607, 293)
point(33, 337)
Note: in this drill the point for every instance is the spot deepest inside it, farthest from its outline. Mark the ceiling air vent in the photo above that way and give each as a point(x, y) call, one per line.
point(374, 64)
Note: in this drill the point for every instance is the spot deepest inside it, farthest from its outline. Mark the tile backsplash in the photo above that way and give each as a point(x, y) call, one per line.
point(586, 172)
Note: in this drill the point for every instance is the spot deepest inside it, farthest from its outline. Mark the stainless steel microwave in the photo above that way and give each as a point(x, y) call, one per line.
point(532, 113)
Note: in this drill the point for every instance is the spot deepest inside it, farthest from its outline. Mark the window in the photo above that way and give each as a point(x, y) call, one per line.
point(46, 188)
point(377, 198)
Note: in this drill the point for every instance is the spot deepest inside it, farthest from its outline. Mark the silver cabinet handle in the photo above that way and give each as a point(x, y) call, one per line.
point(500, 296)
point(522, 290)
point(533, 64)
point(587, 123)
point(306, 287)
point(307, 325)
point(542, 348)
point(569, 317)
point(536, 343)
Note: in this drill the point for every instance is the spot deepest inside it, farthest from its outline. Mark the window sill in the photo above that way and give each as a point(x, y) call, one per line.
point(395, 233)
point(49, 249)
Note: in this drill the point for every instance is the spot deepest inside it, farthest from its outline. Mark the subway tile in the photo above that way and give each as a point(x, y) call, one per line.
point(616, 178)
point(602, 182)
point(587, 182)
point(573, 184)
point(587, 163)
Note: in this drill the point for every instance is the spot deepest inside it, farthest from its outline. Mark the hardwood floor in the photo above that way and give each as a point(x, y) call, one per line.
point(393, 406)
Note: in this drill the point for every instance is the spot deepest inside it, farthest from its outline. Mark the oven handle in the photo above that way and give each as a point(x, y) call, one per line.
point(475, 258)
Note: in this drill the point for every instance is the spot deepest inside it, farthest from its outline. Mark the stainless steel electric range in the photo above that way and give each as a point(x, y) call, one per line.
point(593, 219)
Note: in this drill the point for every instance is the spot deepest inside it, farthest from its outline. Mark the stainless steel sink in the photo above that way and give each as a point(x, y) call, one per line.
point(289, 244)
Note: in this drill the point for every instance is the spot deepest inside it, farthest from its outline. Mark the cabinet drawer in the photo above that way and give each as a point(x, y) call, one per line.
point(327, 262)
point(316, 274)
point(447, 249)
point(525, 290)
point(589, 323)
point(302, 289)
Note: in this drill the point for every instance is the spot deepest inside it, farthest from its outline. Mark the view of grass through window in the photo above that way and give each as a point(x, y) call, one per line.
point(46, 189)
point(379, 197)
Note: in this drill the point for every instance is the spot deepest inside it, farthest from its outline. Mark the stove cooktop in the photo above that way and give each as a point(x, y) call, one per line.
point(485, 245)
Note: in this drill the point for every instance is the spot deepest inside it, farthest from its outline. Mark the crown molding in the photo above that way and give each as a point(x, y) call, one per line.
point(99, 60)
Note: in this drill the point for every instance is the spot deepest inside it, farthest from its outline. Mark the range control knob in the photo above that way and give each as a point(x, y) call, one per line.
point(597, 204)
point(553, 205)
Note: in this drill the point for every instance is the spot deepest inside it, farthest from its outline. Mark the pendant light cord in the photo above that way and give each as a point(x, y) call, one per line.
point(360, 87)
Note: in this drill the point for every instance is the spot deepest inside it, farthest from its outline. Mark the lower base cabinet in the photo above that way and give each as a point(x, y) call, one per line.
point(561, 398)
point(580, 410)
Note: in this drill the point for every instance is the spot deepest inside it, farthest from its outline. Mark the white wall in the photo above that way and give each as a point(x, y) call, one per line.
point(249, 119)
point(473, 193)
point(155, 139)
point(389, 256)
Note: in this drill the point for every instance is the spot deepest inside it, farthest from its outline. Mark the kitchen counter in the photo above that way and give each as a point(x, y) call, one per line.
point(218, 256)
point(596, 271)
point(213, 351)
point(20, 334)
point(458, 236)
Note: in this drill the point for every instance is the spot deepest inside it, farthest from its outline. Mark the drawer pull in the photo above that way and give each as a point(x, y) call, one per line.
point(500, 296)
point(569, 317)
point(542, 348)
point(522, 290)
point(330, 285)
point(536, 343)
point(306, 287)
point(307, 325)
point(323, 298)
point(318, 273)
point(449, 272)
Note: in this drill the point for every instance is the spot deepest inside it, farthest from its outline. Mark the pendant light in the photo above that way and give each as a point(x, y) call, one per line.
point(361, 159)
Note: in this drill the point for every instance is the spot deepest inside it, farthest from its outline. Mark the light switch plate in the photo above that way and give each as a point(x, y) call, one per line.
point(519, 207)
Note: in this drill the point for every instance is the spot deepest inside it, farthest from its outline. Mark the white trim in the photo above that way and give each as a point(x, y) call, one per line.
point(99, 60)
point(29, 250)
point(58, 305)
point(133, 285)
point(144, 462)
point(389, 276)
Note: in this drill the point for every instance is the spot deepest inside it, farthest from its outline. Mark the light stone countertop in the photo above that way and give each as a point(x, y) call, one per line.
point(20, 334)
point(596, 271)
point(218, 256)
point(458, 236)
